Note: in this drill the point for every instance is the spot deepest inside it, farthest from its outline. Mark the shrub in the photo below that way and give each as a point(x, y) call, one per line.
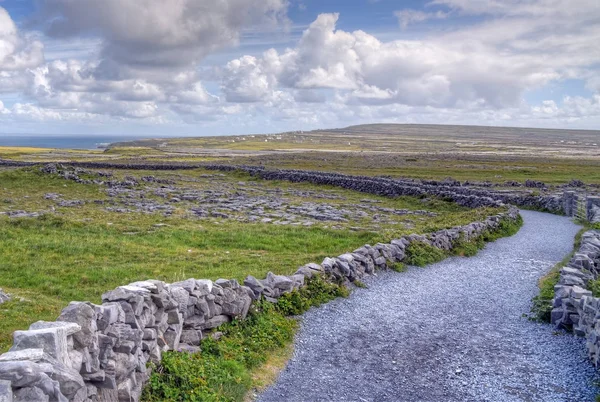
point(221, 370)
point(421, 254)
point(316, 292)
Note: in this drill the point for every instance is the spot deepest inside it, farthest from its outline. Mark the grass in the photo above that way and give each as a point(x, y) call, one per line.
point(542, 303)
point(243, 359)
point(221, 371)
point(81, 252)
point(421, 254)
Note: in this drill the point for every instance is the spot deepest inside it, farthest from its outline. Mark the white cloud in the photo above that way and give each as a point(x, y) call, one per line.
point(148, 68)
point(407, 17)
point(155, 34)
point(17, 52)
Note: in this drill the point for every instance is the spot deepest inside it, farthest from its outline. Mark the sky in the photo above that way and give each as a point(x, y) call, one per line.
point(215, 67)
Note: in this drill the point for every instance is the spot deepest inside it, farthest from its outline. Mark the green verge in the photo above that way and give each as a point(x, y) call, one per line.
point(422, 254)
point(223, 369)
point(541, 306)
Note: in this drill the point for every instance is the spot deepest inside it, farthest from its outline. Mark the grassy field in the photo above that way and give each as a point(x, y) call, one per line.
point(77, 253)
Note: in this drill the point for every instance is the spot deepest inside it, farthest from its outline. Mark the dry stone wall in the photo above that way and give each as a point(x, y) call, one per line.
point(574, 306)
point(462, 193)
point(99, 353)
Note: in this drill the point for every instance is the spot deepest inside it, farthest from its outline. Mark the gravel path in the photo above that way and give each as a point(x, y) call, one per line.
point(452, 331)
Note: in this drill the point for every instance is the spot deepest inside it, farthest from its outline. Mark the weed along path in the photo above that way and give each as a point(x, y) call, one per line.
point(453, 331)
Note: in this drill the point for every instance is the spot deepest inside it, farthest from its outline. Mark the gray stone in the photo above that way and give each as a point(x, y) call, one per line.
point(181, 297)
point(191, 337)
point(20, 373)
point(205, 284)
point(280, 282)
point(125, 293)
point(215, 322)
point(255, 285)
point(52, 340)
point(84, 315)
point(172, 337)
point(33, 355)
point(6, 394)
point(151, 286)
point(30, 394)
point(189, 285)
point(3, 297)
point(107, 314)
point(578, 292)
point(69, 380)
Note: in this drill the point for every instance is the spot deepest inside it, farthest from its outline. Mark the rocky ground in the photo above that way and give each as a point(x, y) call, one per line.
point(454, 331)
point(216, 195)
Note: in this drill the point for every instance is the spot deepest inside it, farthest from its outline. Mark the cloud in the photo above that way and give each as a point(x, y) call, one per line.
point(148, 69)
point(17, 52)
point(407, 17)
point(155, 34)
point(365, 69)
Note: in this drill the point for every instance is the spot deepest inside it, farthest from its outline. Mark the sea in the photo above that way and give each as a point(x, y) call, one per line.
point(64, 141)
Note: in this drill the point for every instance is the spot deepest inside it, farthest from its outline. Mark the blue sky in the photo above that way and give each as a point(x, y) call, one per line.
point(149, 67)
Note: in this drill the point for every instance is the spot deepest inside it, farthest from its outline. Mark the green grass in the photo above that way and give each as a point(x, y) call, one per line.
point(422, 254)
point(79, 253)
point(542, 303)
point(222, 370)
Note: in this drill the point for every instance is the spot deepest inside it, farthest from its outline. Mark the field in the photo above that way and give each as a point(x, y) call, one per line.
point(67, 238)
point(490, 154)
point(72, 234)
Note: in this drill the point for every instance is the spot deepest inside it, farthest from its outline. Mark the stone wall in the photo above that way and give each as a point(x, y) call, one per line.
point(100, 352)
point(464, 194)
point(574, 306)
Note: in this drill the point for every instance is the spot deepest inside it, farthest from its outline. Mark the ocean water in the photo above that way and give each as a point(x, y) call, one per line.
point(66, 141)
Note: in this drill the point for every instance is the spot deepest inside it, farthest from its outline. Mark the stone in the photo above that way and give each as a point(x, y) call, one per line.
point(255, 285)
point(20, 373)
point(107, 314)
point(215, 322)
point(125, 293)
point(174, 317)
point(105, 346)
point(172, 337)
point(52, 340)
point(191, 337)
point(189, 285)
point(280, 282)
point(4, 297)
point(69, 328)
point(6, 394)
point(30, 394)
point(69, 380)
point(33, 355)
point(84, 315)
point(151, 286)
point(578, 292)
point(125, 364)
point(124, 334)
point(205, 284)
point(181, 297)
